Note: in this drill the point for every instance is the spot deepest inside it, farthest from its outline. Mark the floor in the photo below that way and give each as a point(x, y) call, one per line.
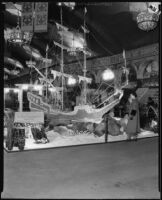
point(111, 170)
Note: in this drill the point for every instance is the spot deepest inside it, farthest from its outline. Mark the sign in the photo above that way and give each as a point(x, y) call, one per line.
point(29, 117)
point(41, 16)
point(34, 19)
point(27, 16)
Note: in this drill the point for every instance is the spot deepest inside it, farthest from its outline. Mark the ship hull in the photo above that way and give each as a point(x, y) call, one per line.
point(83, 113)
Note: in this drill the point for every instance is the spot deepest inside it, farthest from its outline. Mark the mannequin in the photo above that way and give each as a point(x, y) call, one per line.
point(132, 114)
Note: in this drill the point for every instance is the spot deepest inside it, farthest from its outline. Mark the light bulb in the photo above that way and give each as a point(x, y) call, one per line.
point(108, 75)
point(71, 81)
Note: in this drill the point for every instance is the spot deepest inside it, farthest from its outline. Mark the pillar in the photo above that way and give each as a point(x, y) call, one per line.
point(20, 98)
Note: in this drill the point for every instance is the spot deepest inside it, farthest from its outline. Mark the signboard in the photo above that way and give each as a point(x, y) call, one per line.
point(27, 16)
point(34, 18)
point(29, 117)
point(41, 16)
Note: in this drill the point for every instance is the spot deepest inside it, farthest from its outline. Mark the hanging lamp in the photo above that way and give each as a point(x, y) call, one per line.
point(147, 20)
point(17, 36)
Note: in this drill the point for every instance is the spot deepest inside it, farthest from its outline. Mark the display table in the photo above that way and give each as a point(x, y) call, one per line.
point(17, 128)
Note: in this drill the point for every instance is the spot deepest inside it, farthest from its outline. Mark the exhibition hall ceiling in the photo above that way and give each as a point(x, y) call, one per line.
point(111, 27)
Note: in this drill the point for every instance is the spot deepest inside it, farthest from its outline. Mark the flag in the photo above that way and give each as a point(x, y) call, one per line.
point(85, 10)
point(47, 47)
point(124, 54)
point(41, 17)
point(27, 16)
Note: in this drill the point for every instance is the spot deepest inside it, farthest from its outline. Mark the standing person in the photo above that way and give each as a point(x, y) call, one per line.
point(133, 125)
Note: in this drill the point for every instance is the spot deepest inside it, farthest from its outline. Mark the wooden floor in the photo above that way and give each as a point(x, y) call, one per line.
point(112, 170)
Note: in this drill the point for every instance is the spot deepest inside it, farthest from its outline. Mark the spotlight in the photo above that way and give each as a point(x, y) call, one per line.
point(71, 81)
point(59, 3)
point(108, 75)
point(6, 90)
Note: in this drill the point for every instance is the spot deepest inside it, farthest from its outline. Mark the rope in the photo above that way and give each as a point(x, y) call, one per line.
point(109, 86)
point(106, 100)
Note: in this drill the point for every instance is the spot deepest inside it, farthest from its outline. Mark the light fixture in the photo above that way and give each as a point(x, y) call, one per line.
point(59, 3)
point(147, 20)
point(108, 75)
point(17, 36)
point(71, 81)
point(6, 90)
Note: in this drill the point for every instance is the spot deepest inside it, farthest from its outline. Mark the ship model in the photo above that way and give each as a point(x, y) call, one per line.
point(83, 112)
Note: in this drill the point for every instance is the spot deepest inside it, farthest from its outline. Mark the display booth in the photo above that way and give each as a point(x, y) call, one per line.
point(26, 131)
point(45, 125)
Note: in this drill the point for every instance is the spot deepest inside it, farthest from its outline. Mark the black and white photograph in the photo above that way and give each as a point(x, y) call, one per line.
point(81, 100)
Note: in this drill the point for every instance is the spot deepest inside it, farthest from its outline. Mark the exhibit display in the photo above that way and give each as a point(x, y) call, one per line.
point(86, 100)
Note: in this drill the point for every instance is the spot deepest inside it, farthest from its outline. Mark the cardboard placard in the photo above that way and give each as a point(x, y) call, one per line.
point(29, 117)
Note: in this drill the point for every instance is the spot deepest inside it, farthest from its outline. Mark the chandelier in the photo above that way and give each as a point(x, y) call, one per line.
point(17, 36)
point(147, 21)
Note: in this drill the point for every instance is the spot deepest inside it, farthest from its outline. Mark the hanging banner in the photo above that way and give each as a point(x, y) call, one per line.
point(27, 16)
point(41, 17)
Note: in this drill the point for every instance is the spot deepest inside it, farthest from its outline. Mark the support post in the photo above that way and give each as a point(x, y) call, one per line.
point(20, 97)
point(62, 63)
point(85, 67)
point(46, 73)
point(106, 127)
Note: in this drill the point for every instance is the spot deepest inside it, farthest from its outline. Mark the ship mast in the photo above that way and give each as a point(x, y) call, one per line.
point(46, 72)
point(62, 63)
point(85, 67)
point(125, 67)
